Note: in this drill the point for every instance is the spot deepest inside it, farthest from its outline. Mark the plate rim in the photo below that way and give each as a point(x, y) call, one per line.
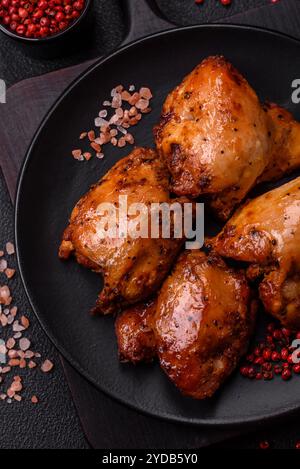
point(225, 422)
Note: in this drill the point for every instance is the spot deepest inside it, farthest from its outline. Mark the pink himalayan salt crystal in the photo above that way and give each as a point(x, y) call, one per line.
point(10, 248)
point(47, 366)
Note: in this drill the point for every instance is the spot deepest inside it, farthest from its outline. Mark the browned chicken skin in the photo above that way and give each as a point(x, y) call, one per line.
point(135, 335)
point(285, 156)
point(133, 268)
point(266, 233)
point(202, 322)
point(219, 141)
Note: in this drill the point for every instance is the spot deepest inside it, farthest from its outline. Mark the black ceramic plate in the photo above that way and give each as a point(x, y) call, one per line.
point(51, 182)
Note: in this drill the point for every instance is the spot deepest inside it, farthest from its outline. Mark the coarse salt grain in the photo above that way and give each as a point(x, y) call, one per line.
point(10, 319)
point(3, 265)
point(96, 147)
point(24, 321)
point(17, 327)
point(113, 132)
point(129, 138)
point(99, 121)
point(119, 112)
point(14, 362)
point(121, 118)
point(22, 363)
point(102, 139)
point(14, 311)
point(10, 393)
point(114, 119)
point(34, 400)
point(121, 129)
point(103, 113)
point(91, 135)
point(47, 366)
point(3, 320)
point(134, 99)
point(121, 142)
point(87, 155)
point(125, 96)
point(77, 154)
point(132, 111)
point(10, 248)
point(16, 386)
point(145, 93)
point(4, 294)
point(10, 343)
point(24, 344)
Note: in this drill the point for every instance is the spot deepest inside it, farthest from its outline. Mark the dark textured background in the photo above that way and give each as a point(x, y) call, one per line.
point(185, 12)
point(53, 423)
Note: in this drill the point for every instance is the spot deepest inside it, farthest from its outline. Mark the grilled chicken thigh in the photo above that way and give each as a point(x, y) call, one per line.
point(266, 233)
point(199, 326)
point(135, 334)
point(219, 141)
point(133, 268)
point(204, 318)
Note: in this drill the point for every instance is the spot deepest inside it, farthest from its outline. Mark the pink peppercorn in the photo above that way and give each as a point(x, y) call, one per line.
point(35, 19)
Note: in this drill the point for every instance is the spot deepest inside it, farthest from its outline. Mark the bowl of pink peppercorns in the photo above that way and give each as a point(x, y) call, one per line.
point(36, 21)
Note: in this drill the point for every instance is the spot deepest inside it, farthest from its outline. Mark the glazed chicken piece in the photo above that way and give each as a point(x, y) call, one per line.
point(219, 141)
point(213, 135)
point(285, 156)
point(266, 233)
point(204, 318)
point(135, 335)
point(199, 326)
point(133, 268)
